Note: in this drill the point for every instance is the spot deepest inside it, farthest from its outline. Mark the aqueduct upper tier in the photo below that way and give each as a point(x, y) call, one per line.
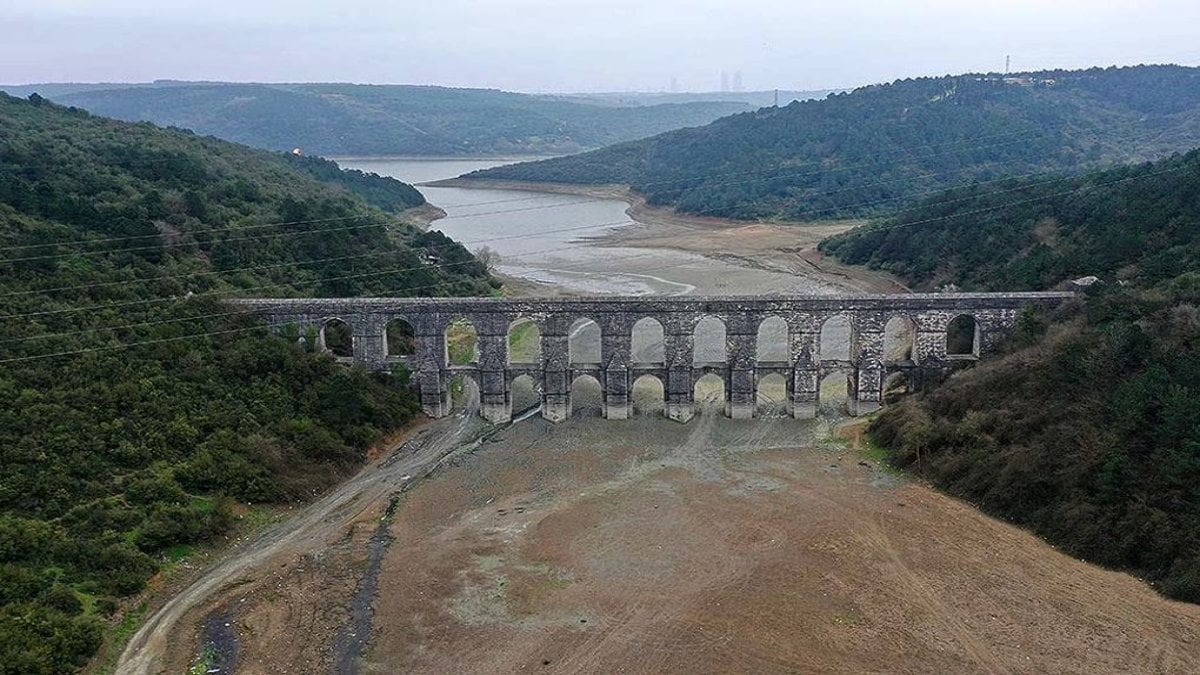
point(800, 357)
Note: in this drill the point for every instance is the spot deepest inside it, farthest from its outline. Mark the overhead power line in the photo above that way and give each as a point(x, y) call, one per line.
point(443, 284)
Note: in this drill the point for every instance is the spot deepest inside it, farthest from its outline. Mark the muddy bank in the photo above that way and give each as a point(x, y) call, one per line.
point(783, 247)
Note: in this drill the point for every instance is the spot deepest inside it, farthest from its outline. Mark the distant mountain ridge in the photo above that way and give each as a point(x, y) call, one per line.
point(872, 150)
point(755, 99)
point(365, 120)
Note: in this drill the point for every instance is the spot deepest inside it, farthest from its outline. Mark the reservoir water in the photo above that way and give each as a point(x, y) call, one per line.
point(542, 237)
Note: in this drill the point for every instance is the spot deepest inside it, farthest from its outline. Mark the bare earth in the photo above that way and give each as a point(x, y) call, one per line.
point(423, 216)
point(716, 547)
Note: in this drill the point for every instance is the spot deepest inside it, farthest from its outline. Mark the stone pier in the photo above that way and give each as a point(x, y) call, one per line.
point(985, 317)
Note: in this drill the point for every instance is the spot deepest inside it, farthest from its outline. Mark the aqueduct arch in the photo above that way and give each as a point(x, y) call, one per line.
point(436, 351)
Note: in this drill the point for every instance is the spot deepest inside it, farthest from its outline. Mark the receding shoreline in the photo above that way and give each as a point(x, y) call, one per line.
point(444, 158)
point(781, 246)
point(424, 215)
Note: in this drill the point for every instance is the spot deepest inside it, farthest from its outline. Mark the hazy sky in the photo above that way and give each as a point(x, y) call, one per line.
point(580, 45)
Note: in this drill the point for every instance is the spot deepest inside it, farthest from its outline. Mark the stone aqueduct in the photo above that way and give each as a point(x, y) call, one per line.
point(741, 370)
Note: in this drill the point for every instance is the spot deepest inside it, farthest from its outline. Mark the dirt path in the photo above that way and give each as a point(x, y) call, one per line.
point(157, 643)
point(716, 546)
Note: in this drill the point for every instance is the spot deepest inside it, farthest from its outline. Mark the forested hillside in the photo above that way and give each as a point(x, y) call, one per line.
point(116, 458)
point(363, 120)
point(877, 148)
point(1136, 224)
point(1087, 431)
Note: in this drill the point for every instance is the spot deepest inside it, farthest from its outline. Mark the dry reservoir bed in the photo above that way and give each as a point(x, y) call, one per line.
point(717, 546)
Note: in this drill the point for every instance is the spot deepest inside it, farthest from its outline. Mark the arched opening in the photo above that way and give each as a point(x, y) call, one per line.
point(583, 342)
point(400, 338)
point(709, 393)
point(649, 395)
point(708, 341)
point(899, 340)
point(587, 397)
point(772, 342)
point(895, 387)
point(525, 395)
point(647, 342)
point(464, 394)
point(338, 338)
point(962, 336)
point(462, 343)
point(835, 338)
point(834, 396)
point(772, 396)
point(524, 342)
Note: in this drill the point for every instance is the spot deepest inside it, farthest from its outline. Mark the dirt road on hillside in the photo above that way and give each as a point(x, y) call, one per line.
point(165, 641)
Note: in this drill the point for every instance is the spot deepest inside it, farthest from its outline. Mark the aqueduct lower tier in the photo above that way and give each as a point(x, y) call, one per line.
point(867, 365)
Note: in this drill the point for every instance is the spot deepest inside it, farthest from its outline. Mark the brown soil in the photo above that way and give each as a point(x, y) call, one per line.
point(650, 546)
point(306, 595)
point(424, 215)
point(726, 547)
point(308, 559)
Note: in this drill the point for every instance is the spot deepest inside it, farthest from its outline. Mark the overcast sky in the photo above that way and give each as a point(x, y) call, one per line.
point(580, 45)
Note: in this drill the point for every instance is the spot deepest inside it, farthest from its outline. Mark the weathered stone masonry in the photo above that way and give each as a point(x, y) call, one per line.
point(994, 314)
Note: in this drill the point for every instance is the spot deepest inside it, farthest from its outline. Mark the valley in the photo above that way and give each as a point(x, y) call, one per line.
point(776, 545)
point(893, 378)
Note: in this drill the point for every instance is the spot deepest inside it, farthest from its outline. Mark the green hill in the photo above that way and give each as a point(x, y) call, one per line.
point(1086, 430)
point(366, 120)
point(116, 459)
point(872, 150)
point(1137, 224)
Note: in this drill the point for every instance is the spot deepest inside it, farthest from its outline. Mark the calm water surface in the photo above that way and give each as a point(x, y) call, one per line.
point(542, 237)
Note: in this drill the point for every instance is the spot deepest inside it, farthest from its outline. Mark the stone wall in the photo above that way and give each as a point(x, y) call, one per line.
point(867, 367)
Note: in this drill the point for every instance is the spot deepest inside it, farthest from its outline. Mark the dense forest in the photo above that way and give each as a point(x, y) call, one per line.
point(362, 120)
point(1137, 224)
point(115, 457)
point(872, 150)
point(1086, 430)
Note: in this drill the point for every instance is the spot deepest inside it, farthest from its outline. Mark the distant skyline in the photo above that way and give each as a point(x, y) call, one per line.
point(582, 45)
